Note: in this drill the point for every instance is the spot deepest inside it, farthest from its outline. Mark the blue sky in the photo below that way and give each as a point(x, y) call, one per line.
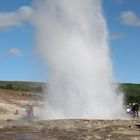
point(19, 60)
point(123, 20)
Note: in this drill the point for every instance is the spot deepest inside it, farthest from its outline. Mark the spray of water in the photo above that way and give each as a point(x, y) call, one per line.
point(73, 39)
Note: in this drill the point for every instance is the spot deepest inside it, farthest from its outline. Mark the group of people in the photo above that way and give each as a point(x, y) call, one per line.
point(133, 109)
point(29, 111)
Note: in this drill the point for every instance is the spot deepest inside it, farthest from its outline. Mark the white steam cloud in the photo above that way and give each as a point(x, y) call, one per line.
point(73, 39)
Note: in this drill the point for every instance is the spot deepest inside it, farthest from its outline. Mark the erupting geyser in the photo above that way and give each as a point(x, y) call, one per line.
point(72, 37)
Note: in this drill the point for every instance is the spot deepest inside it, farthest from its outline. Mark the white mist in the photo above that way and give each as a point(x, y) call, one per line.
point(73, 39)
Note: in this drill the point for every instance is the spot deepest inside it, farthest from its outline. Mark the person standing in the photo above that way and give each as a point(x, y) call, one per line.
point(137, 110)
point(134, 110)
point(29, 111)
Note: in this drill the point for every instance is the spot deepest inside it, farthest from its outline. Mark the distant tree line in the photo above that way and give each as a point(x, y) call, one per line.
point(131, 93)
point(23, 86)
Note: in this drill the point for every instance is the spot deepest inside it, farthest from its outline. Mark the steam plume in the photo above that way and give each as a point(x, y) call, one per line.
point(73, 39)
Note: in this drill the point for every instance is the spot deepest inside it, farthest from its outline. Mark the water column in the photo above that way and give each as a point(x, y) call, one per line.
point(72, 37)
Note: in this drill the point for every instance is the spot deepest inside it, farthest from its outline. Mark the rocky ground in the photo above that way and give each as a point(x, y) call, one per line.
point(70, 130)
point(17, 127)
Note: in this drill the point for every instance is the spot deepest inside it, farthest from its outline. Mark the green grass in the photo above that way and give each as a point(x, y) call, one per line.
point(23, 86)
point(131, 92)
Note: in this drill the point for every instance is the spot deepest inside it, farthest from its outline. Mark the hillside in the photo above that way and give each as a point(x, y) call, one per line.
point(23, 86)
point(131, 91)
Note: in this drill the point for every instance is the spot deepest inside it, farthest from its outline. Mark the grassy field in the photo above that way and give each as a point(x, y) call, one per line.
point(131, 91)
point(23, 86)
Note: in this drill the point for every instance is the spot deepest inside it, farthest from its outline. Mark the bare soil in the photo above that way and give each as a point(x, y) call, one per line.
point(17, 127)
point(71, 130)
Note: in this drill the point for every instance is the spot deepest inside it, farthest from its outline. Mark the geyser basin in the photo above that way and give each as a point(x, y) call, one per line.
point(73, 39)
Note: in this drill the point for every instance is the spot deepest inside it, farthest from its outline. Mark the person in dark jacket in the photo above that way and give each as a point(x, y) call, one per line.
point(137, 110)
point(133, 109)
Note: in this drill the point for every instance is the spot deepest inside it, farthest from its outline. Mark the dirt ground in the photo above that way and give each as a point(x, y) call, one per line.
point(17, 127)
point(10, 101)
point(70, 130)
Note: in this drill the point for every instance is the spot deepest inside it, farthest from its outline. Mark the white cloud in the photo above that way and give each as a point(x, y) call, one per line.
point(15, 18)
point(26, 12)
point(15, 52)
point(117, 36)
point(130, 18)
